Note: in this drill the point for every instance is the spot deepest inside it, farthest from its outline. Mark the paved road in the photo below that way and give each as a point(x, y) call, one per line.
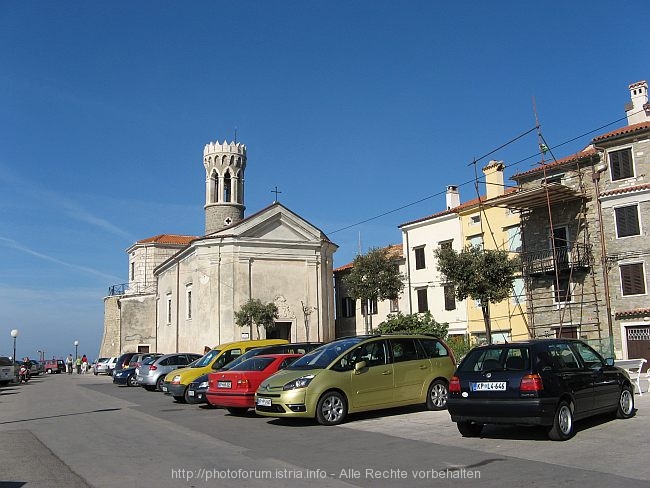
point(81, 431)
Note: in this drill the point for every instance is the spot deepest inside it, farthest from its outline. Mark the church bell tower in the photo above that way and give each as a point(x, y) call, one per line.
point(224, 184)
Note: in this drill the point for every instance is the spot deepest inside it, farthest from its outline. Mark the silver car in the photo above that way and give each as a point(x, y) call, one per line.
point(151, 374)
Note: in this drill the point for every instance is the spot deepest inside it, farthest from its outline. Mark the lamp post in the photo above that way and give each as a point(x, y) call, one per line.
point(14, 334)
point(76, 348)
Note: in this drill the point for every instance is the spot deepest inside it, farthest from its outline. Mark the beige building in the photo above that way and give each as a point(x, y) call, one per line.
point(188, 288)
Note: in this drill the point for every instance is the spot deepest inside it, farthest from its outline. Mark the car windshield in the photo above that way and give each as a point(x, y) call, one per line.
point(207, 359)
point(253, 364)
point(149, 360)
point(323, 356)
point(486, 359)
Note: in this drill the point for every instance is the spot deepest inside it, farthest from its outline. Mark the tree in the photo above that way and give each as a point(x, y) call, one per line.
point(374, 277)
point(485, 275)
point(254, 312)
point(415, 323)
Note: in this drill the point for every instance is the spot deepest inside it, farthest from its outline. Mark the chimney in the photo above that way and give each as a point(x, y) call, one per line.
point(494, 179)
point(638, 109)
point(453, 197)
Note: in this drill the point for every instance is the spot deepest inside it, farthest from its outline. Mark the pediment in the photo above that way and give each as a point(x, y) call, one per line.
point(275, 223)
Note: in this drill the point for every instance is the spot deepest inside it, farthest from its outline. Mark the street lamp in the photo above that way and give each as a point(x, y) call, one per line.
point(14, 334)
point(76, 346)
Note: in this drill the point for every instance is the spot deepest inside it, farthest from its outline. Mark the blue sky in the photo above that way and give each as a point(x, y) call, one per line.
point(353, 109)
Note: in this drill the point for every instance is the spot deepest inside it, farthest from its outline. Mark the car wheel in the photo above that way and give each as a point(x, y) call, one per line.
point(49, 370)
point(159, 382)
point(437, 395)
point(331, 409)
point(180, 399)
point(186, 397)
point(562, 428)
point(237, 411)
point(625, 408)
point(131, 381)
point(469, 429)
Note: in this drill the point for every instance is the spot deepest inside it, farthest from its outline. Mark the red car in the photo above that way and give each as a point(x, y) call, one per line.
point(235, 388)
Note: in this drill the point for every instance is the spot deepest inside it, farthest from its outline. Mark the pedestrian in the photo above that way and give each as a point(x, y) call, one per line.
point(68, 364)
point(78, 364)
point(84, 364)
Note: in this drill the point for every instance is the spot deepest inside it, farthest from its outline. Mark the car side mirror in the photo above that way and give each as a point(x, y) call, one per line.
point(359, 366)
point(609, 361)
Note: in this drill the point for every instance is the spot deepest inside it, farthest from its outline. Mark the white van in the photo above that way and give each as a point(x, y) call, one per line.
point(7, 374)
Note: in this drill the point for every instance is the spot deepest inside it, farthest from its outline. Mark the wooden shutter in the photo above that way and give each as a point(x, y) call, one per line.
point(621, 162)
point(627, 221)
point(632, 279)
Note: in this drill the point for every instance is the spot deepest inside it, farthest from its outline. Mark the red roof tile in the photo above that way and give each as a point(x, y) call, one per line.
point(176, 239)
point(629, 129)
point(584, 154)
point(638, 312)
point(629, 189)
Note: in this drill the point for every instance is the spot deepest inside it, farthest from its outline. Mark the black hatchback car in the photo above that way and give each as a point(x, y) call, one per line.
point(545, 382)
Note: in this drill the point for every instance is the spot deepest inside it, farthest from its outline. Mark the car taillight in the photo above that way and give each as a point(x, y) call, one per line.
point(211, 384)
point(531, 382)
point(454, 384)
point(153, 367)
point(243, 383)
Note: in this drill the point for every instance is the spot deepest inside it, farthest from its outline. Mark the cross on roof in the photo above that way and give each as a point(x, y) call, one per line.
point(276, 191)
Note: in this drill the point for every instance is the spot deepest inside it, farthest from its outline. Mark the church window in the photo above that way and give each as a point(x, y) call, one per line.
point(214, 190)
point(188, 299)
point(169, 308)
point(132, 271)
point(227, 190)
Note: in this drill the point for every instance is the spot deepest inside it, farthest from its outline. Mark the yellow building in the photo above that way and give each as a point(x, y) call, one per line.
point(485, 223)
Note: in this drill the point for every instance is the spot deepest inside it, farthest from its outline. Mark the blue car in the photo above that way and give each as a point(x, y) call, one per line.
point(125, 376)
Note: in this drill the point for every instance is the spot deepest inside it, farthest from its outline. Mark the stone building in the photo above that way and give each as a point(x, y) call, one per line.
point(194, 285)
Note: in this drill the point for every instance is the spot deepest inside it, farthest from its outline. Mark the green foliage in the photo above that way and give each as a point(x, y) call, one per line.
point(374, 276)
point(416, 323)
point(481, 274)
point(460, 345)
point(254, 312)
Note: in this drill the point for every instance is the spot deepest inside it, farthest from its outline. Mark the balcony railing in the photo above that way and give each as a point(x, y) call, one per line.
point(577, 256)
point(134, 288)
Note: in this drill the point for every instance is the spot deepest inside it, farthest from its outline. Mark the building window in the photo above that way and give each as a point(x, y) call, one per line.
point(632, 279)
point(627, 221)
point(423, 304)
point(514, 239)
point(420, 262)
point(373, 307)
point(348, 306)
point(188, 298)
point(169, 308)
point(394, 305)
point(562, 293)
point(227, 188)
point(450, 298)
point(621, 164)
point(475, 241)
point(518, 291)
point(132, 271)
point(475, 219)
point(446, 244)
point(554, 178)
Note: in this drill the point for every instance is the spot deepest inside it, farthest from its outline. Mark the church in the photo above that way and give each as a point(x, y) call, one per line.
point(183, 291)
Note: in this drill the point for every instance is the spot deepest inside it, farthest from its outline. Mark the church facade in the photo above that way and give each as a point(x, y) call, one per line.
point(194, 285)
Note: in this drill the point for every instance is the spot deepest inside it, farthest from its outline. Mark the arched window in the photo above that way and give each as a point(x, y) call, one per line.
point(227, 190)
point(214, 187)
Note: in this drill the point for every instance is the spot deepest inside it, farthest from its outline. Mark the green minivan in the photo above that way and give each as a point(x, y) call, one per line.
point(357, 374)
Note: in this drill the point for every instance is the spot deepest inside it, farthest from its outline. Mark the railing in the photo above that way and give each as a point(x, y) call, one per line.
point(134, 288)
point(566, 258)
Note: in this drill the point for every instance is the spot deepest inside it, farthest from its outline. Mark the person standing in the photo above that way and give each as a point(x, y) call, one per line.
point(68, 364)
point(84, 364)
point(78, 364)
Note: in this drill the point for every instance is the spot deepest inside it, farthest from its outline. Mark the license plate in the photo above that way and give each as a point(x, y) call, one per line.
point(164, 389)
point(190, 392)
point(264, 402)
point(224, 384)
point(489, 386)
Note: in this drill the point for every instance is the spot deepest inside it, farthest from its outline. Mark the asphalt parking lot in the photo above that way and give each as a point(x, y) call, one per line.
point(93, 433)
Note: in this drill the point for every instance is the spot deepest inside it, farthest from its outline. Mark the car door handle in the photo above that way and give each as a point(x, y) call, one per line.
point(386, 372)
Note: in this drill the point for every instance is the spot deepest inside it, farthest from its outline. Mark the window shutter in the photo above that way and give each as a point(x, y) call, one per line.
point(621, 162)
point(627, 221)
point(632, 280)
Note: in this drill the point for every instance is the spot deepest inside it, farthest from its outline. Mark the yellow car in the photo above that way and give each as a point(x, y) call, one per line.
point(177, 381)
point(357, 374)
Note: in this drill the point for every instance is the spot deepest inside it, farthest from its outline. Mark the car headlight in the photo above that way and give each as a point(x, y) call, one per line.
point(301, 382)
point(203, 384)
point(177, 379)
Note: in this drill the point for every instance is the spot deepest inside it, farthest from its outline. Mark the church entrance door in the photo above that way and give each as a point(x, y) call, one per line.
point(282, 330)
